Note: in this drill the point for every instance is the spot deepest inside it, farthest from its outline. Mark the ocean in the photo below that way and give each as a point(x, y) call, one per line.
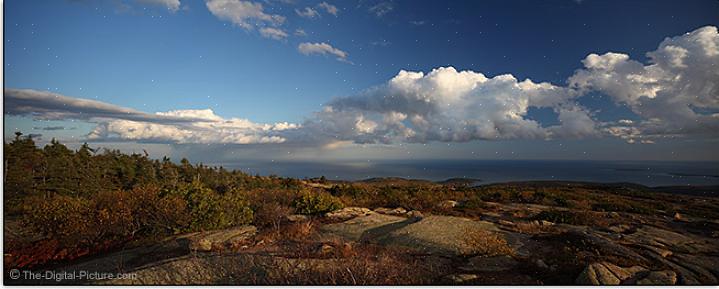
point(648, 173)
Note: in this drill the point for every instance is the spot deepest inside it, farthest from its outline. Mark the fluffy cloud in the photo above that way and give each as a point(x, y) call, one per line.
point(119, 123)
point(172, 5)
point(676, 94)
point(213, 131)
point(331, 9)
point(245, 14)
point(273, 33)
point(307, 12)
point(323, 48)
point(450, 105)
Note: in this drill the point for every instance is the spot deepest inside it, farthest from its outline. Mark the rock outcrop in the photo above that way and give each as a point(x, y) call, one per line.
point(348, 213)
point(604, 273)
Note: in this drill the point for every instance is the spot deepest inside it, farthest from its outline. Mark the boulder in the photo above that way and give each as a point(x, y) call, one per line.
point(659, 278)
point(448, 204)
point(597, 274)
point(605, 273)
point(387, 211)
point(678, 217)
point(348, 213)
point(206, 241)
point(459, 278)
point(415, 214)
point(296, 218)
point(621, 228)
point(623, 273)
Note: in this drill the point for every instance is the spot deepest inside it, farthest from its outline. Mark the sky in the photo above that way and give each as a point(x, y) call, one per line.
point(230, 80)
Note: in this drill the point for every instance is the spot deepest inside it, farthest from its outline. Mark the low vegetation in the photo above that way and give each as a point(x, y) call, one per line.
point(73, 203)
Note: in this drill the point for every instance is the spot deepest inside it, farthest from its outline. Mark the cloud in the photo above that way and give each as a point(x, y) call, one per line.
point(49, 128)
point(245, 14)
point(300, 32)
point(273, 33)
point(381, 8)
point(418, 22)
point(451, 106)
point(331, 9)
point(674, 94)
point(119, 123)
point(172, 5)
point(307, 12)
point(216, 131)
point(323, 48)
point(46, 105)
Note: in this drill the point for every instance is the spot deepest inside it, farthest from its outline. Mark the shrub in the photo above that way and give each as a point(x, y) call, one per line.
point(270, 214)
point(211, 211)
point(346, 190)
point(492, 197)
point(582, 218)
point(487, 243)
point(561, 201)
point(158, 215)
point(314, 203)
point(63, 218)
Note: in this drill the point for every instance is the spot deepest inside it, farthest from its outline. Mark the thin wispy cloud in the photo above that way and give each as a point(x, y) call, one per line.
point(323, 48)
point(381, 8)
point(172, 5)
point(273, 33)
point(331, 9)
point(307, 12)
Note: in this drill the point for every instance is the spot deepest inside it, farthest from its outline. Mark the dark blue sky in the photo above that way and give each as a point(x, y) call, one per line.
point(156, 55)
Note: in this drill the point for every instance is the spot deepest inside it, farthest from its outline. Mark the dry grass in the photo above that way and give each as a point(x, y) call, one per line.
point(365, 265)
point(488, 243)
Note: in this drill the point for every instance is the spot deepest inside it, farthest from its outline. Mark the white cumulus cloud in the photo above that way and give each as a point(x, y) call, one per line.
point(245, 14)
point(215, 130)
point(450, 105)
point(675, 94)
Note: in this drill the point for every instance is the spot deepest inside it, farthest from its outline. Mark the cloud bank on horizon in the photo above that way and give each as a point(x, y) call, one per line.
point(676, 94)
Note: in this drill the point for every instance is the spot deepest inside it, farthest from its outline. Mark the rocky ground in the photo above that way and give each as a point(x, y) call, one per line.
point(393, 246)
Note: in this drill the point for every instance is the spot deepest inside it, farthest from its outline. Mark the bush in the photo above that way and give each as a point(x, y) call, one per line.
point(271, 214)
point(581, 218)
point(561, 201)
point(158, 215)
point(211, 211)
point(63, 218)
point(313, 203)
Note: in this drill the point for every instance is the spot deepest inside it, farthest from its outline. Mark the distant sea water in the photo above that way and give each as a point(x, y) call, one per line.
point(648, 173)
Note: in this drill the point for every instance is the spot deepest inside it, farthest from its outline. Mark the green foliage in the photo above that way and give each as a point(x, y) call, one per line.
point(561, 201)
point(210, 211)
point(347, 190)
point(314, 203)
